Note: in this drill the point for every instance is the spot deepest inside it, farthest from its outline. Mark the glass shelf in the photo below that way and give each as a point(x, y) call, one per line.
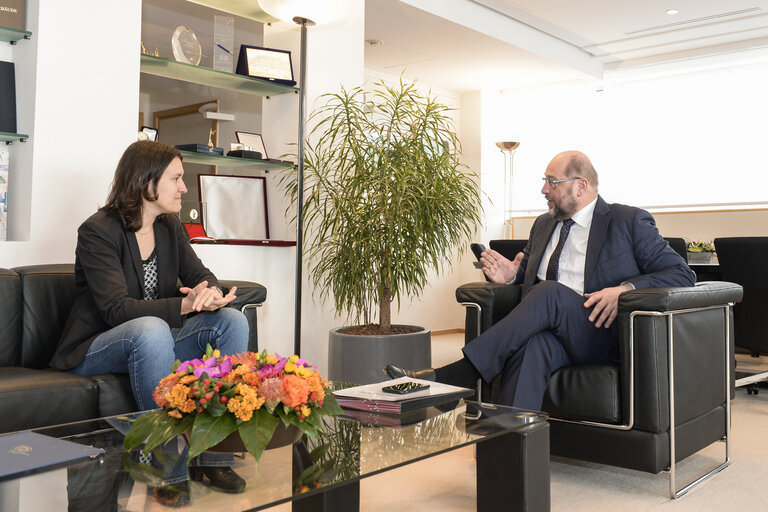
point(243, 8)
point(13, 137)
point(232, 161)
point(11, 35)
point(211, 77)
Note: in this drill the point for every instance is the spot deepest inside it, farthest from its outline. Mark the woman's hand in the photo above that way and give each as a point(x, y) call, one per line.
point(202, 298)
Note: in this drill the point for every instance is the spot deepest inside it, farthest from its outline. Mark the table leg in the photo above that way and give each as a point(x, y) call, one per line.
point(513, 471)
point(346, 498)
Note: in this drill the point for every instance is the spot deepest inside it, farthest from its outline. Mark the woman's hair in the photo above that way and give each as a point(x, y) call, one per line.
point(140, 167)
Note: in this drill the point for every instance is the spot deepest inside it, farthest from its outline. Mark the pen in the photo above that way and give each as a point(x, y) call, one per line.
point(229, 52)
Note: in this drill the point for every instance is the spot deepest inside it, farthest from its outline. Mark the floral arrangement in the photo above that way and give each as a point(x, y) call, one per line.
point(700, 246)
point(249, 393)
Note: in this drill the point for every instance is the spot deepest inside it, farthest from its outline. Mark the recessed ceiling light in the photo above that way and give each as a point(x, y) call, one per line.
point(672, 11)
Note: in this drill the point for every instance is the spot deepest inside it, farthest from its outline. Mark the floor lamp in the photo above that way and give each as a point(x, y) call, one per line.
point(304, 13)
point(508, 149)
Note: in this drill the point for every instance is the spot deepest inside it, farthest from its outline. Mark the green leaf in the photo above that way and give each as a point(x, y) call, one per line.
point(257, 432)
point(330, 405)
point(208, 431)
point(166, 429)
point(147, 425)
point(216, 408)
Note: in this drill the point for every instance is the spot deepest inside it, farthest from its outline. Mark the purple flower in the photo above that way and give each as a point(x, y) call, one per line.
point(186, 366)
point(209, 366)
point(212, 369)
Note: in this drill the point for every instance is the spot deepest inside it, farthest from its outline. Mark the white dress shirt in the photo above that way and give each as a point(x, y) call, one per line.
point(574, 256)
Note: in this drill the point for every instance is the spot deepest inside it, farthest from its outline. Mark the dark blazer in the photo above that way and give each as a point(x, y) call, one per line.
point(109, 280)
point(624, 245)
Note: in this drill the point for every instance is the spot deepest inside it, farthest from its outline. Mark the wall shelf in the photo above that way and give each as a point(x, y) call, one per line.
point(211, 77)
point(11, 35)
point(13, 137)
point(232, 161)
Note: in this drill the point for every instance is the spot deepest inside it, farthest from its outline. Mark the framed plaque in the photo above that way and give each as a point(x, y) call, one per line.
point(252, 142)
point(234, 207)
point(13, 14)
point(265, 63)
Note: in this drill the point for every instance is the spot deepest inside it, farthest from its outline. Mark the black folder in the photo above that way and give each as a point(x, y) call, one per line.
point(7, 97)
point(28, 452)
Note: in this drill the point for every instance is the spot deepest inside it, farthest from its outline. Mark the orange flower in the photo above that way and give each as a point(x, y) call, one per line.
point(296, 390)
point(174, 414)
point(187, 379)
point(178, 395)
point(244, 403)
point(316, 387)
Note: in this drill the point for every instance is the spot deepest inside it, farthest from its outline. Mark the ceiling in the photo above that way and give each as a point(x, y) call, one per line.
point(465, 45)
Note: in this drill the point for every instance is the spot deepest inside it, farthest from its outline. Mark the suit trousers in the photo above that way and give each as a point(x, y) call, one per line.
point(549, 329)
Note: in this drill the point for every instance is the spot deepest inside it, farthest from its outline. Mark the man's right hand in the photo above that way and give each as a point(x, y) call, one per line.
point(498, 268)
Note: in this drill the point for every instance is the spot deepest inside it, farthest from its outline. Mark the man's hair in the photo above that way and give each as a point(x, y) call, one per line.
point(579, 165)
point(141, 165)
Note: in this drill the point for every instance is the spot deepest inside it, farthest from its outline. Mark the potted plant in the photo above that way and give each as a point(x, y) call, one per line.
point(700, 252)
point(386, 200)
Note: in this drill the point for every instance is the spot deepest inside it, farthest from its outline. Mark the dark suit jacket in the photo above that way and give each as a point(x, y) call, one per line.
point(109, 281)
point(624, 245)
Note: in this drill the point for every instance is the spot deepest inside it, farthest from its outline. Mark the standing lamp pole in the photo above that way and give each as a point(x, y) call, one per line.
point(508, 150)
point(304, 22)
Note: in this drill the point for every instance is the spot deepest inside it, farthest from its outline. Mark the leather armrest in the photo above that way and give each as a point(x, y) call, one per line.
point(248, 293)
point(699, 337)
point(703, 294)
point(495, 301)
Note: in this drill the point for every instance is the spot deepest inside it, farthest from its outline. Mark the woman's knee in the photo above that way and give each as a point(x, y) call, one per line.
point(235, 323)
point(151, 332)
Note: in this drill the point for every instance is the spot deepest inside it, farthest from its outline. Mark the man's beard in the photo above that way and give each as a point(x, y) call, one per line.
point(564, 211)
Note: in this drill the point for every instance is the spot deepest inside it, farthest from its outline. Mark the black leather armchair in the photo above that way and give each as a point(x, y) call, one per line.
point(666, 397)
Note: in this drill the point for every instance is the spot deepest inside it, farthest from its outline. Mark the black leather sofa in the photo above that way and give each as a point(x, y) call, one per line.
point(34, 304)
point(655, 405)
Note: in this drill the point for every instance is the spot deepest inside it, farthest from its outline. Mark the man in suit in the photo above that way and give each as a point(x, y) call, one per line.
point(580, 257)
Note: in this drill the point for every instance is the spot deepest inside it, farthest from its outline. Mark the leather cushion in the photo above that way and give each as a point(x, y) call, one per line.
point(115, 394)
point(37, 398)
point(588, 393)
point(10, 318)
point(48, 293)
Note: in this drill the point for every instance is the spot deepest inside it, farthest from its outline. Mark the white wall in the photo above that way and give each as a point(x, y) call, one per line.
point(77, 94)
point(683, 139)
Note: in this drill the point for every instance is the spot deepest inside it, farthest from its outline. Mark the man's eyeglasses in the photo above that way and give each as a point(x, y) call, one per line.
point(553, 183)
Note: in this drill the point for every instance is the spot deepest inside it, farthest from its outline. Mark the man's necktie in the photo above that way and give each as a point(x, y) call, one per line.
point(554, 260)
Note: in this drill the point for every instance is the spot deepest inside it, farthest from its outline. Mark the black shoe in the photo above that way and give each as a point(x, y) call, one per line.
point(174, 495)
point(221, 479)
point(394, 372)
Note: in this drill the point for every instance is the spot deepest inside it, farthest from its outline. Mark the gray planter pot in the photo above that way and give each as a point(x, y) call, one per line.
point(701, 258)
point(360, 359)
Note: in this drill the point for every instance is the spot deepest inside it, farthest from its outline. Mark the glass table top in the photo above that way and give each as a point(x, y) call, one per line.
point(351, 446)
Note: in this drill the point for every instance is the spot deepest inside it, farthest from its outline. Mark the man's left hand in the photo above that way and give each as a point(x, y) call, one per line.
point(606, 304)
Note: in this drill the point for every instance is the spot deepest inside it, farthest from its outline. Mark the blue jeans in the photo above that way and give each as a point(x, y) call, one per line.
point(146, 347)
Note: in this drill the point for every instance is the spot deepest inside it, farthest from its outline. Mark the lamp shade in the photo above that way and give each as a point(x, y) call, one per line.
point(318, 12)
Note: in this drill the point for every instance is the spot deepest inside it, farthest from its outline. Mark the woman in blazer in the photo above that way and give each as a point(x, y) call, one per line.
point(128, 316)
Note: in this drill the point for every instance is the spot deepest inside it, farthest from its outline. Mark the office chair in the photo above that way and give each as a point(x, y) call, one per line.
point(743, 261)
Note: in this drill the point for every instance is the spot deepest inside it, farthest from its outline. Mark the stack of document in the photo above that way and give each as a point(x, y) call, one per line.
point(372, 398)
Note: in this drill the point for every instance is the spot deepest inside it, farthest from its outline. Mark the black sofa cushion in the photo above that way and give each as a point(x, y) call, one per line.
point(588, 393)
point(47, 292)
point(10, 318)
point(36, 398)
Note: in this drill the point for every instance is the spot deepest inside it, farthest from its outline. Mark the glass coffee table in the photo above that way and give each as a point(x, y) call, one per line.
point(315, 474)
